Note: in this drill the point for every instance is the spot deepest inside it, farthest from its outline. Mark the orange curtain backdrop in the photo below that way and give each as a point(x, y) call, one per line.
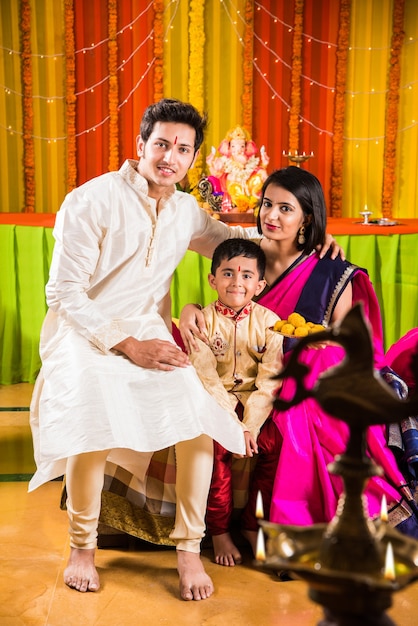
point(134, 78)
point(273, 27)
point(135, 70)
point(318, 88)
point(222, 80)
point(112, 65)
point(368, 57)
point(88, 155)
point(273, 30)
point(92, 113)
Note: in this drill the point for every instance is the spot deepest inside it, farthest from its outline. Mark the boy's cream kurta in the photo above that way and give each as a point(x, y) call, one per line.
point(241, 360)
point(110, 277)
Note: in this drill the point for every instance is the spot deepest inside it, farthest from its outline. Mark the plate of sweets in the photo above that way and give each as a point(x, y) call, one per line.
point(296, 326)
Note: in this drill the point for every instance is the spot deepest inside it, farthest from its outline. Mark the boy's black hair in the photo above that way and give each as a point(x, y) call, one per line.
point(231, 248)
point(171, 110)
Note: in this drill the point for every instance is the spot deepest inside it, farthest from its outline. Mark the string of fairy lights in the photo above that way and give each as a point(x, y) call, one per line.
point(233, 15)
point(91, 50)
point(330, 45)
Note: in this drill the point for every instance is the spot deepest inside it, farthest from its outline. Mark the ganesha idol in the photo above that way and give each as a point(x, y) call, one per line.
point(236, 172)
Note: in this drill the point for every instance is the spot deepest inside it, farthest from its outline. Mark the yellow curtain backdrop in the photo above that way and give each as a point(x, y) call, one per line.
point(367, 84)
point(12, 188)
point(48, 66)
point(203, 56)
point(48, 106)
point(176, 49)
point(222, 80)
point(370, 32)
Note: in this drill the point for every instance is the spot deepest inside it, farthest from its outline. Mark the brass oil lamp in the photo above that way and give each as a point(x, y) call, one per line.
point(352, 565)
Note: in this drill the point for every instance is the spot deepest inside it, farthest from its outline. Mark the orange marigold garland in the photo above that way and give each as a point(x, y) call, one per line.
point(247, 96)
point(113, 86)
point(158, 49)
point(196, 73)
point(28, 145)
point(339, 103)
point(296, 77)
point(70, 96)
point(392, 108)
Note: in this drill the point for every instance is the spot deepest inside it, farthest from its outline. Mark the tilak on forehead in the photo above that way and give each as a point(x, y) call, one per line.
point(175, 140)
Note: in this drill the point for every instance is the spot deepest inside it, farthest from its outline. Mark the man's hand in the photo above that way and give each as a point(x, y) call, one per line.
point(192, 325)
point(251, 446)
point(153, 353)
point(331, 243)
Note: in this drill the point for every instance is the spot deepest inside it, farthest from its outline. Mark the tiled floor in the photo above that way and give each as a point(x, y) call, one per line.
point(138, 586)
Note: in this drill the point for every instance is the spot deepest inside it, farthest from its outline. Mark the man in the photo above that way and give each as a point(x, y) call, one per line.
point(113, 383)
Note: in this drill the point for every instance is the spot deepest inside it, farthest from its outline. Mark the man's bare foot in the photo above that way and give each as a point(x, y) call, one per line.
point(195, 584)
point(251, 537)
point(81, 573)
point(226, 552)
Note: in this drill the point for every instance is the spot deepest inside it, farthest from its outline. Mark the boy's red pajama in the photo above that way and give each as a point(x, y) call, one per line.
point(269, 445)
point(220, 502)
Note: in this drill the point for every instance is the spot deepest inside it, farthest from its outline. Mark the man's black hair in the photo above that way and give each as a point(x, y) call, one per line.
point(171, 110)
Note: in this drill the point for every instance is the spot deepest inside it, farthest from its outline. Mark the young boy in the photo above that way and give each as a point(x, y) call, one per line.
point(237, 366)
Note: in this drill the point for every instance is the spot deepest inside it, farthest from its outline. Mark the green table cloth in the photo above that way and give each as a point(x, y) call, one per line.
point(25, 255)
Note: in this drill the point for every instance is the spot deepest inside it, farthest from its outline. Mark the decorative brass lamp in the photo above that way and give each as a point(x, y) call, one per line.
point(297, 158)
point(206, 191)
point(352, 565)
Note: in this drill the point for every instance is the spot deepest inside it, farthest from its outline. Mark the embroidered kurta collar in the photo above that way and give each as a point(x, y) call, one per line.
point(228, 312)
point(129, 172)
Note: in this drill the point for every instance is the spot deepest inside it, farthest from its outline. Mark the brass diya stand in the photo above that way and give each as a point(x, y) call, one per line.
point(345, 563)
point(296, 157)
point(207, 194)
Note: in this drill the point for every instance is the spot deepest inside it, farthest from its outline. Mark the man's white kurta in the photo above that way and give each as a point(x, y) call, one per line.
point(110, 277)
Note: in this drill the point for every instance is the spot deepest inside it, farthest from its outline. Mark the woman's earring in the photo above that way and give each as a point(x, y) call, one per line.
point(301, 236)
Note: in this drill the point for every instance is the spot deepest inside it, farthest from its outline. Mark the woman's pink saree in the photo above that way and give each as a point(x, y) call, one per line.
point(304, 491)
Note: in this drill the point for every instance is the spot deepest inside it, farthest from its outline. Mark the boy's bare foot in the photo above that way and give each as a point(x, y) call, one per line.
point(251, 537)
point(226, 552)
point(81, 573)
point(195, 584)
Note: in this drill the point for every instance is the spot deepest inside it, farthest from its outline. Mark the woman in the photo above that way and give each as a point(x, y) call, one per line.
point(292, 223)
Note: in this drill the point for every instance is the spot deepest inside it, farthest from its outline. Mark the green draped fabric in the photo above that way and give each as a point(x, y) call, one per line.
point(392, 264)
point(26, 255)
point(391, 260)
